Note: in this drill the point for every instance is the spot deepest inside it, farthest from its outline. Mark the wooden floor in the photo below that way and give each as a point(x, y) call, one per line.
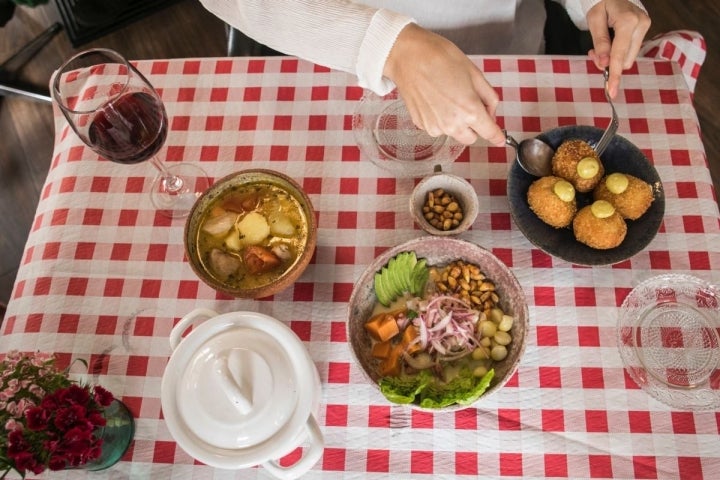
point(187, 30)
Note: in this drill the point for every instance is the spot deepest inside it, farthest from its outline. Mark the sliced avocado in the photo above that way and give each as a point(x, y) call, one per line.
point(412, 261)
point(421, 274)
point(398, 272)
point(419, 277)
point(380, 292)
point(392, 278)
point(403, 273)
point(409, 265)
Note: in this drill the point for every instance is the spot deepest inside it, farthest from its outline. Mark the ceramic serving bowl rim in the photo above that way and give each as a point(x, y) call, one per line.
point(218, 188)
point(363, 291)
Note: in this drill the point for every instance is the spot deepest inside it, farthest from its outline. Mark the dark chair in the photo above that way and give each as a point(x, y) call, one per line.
point(9, 85)
point(240, 45)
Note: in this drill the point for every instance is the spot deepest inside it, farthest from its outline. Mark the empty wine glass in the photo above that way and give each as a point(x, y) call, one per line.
point(115, 111)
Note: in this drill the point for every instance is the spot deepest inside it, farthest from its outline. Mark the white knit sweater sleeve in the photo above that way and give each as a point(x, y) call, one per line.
point(338, 34)
point(578, 9)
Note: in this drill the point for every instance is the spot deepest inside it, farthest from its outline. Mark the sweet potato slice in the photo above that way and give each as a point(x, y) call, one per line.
point(390, 366)
point(382, 327)
point(381, 349)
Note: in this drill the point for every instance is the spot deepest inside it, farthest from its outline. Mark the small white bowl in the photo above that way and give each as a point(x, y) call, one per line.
point(458, 187)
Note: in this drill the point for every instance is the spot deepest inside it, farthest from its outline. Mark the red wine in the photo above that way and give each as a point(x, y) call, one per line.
point(130, 129)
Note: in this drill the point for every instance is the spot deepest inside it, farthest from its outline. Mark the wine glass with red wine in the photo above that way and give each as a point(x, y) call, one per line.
point(115, 111)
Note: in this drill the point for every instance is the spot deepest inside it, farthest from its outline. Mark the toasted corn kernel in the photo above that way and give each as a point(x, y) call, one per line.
point(486, 286)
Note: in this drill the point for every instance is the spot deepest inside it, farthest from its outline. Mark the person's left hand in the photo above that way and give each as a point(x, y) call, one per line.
point(630, 24)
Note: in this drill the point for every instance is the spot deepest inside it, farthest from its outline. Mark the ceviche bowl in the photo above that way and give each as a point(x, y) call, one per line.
point(416, 348)
point(251, 234)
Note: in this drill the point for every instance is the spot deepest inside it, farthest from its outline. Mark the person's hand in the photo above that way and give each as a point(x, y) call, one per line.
point(445, 93)
point(630, 25)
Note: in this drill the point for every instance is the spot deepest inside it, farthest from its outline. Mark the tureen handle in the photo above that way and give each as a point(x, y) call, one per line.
point(310, 455)
point(231, 388)
point(184, 323)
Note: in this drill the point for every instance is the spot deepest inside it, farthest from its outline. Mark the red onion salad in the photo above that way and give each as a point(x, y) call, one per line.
point(446, 327)
point(439, 348)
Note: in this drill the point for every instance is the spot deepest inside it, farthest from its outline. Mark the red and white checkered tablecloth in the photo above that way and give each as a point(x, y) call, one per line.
point(103, 276)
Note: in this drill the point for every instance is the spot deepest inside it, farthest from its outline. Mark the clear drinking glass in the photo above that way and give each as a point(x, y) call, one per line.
point(116, 112)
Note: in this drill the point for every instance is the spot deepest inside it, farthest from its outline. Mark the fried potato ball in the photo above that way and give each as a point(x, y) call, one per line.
point(599, 226)
point(553, 201)
point(577, 162)
point(630, 195)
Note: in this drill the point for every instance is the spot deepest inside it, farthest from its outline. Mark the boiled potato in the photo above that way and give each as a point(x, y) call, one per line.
point(253, 228)
point(232, 241)
point(281, 226)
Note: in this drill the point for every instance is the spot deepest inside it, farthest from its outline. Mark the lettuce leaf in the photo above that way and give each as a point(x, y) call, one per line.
point(464, 389)
point(479, 388)
point(405, 388)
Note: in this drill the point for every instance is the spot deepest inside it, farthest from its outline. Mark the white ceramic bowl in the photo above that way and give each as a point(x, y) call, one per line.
point(461, 190)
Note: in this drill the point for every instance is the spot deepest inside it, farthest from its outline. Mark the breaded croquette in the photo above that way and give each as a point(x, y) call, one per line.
point(599, 226)
point(577, 162)
point(553, 201)
point(630, 195)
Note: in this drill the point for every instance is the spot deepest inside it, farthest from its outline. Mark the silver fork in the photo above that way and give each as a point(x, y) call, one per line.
point(607, 136)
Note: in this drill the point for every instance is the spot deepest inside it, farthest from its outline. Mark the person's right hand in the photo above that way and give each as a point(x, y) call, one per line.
point(445, 93)
point(630, 24)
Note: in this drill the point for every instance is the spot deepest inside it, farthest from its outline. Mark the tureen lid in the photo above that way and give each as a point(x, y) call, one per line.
point(238, 389)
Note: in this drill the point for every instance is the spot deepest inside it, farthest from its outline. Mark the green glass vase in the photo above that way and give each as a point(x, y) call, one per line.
point(117, 435)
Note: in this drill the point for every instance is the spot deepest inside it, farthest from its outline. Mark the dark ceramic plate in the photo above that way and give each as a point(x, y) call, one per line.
point(620, 156)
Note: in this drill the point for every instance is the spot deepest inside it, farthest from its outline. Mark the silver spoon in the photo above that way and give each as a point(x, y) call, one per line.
point(532, 154)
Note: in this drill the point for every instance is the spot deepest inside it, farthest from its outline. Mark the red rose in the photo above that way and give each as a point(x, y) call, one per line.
point(76, 444)
point(69, 417)
point(57, 462)
point(37, 418)
point(50, 402)
point(74, 394)
point(16, 442)
point(97, 420)
point(51, 443)
point(26, 461)
point(102, 396)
